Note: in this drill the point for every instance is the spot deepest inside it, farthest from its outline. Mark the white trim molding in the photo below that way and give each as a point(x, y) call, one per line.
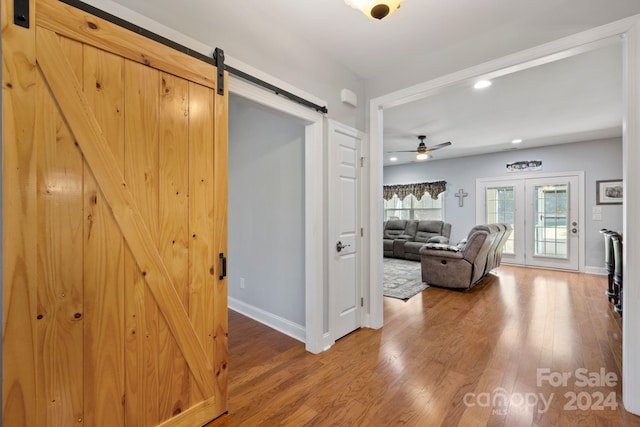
point(631, 226)
point(629, 29)
point(278, 323)
point(598, 271)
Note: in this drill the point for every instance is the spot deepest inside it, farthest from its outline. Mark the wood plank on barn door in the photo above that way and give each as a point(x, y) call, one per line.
point(103, 253)
point(220, 216)
point(19, 222)
point(201, 227)
point(141, 175)
point(60, 238)
point(173, 162)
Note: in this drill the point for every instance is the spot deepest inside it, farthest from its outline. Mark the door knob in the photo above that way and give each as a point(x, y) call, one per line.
point(340, 246)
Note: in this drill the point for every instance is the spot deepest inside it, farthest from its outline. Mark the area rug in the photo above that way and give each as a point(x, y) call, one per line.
point(402, 278)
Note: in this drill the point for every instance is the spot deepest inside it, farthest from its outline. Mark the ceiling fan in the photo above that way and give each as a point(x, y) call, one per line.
point(422, 150)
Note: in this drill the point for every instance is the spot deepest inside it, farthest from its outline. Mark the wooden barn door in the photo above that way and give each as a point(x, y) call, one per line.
point(114, 218)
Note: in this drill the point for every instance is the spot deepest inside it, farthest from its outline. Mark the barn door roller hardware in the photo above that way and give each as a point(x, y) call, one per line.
point(21, 13)
point(218, 56)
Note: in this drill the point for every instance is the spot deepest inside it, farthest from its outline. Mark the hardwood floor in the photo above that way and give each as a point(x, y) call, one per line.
point(488, 357)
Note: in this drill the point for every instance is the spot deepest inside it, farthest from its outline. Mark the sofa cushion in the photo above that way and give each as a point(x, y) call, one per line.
point(394, 227)
point(427, 230)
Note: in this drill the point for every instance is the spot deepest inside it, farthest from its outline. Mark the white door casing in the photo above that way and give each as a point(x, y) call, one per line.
point(344, 210)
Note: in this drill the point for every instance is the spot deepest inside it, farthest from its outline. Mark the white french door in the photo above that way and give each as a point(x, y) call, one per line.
point(552, 220)
point(544, 212)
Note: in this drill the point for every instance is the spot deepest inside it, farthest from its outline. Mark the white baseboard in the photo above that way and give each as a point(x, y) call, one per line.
point(600, 271)
point(271, 320)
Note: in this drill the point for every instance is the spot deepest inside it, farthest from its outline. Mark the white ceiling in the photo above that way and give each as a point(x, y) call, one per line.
point(421, 29)
point(575, 99)
point(572, 100)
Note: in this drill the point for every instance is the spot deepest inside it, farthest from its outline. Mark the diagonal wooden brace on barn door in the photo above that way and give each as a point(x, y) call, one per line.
point(79, 116)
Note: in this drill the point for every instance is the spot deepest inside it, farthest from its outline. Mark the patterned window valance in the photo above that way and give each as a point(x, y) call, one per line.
point(418, 190)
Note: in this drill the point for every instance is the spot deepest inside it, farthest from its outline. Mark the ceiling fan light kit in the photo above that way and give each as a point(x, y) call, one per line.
point(376, 9)
point(422, 151)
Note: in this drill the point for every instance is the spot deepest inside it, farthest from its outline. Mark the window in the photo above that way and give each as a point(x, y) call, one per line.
point(551, 212)
point(412, 208)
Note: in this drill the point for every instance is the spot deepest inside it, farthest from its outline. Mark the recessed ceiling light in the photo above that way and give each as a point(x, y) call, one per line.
point(516, 141)
point(482, 84)
point(393, 159)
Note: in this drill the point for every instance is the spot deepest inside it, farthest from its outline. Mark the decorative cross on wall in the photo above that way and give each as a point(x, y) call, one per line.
point(460, 194)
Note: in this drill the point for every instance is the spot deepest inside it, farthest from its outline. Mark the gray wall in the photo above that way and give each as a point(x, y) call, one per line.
point(598, 159)
point(266, 210)
point(245, 35)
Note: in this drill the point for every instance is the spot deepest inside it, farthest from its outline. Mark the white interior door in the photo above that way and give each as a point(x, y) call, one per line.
point(344, 228)
point(544, 213)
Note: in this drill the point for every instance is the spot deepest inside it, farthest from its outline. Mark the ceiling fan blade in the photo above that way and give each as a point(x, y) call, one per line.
point(403, 151)
point(436, 147)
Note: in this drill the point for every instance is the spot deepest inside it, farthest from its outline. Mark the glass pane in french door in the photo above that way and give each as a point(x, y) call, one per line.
point(551, 224)
point(501, 208)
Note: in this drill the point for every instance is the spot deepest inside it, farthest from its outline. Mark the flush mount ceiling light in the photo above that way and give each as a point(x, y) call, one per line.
point(393, 159)
point(377, 9)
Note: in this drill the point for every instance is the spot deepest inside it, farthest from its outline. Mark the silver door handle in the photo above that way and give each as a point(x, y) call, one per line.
point(340, 246)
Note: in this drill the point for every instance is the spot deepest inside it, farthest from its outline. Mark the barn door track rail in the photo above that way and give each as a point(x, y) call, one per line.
point(21, 17)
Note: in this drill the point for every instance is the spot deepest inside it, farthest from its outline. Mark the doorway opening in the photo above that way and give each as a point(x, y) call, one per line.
point(266, 216)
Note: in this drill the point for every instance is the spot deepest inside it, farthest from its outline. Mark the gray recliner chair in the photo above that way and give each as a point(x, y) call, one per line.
point(463, 265)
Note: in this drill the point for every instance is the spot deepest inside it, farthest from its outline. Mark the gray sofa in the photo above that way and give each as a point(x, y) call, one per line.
point(462, 266)
point(403, 238)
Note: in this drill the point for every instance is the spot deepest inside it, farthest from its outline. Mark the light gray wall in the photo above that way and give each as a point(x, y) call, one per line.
point(266, 209)
point(244, 34)
point(598, 159)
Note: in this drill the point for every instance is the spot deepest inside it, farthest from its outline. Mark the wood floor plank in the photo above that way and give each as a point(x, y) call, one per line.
point(443, 358)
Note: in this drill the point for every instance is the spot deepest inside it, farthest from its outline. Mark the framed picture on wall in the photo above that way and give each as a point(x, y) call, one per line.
point(609, 192)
